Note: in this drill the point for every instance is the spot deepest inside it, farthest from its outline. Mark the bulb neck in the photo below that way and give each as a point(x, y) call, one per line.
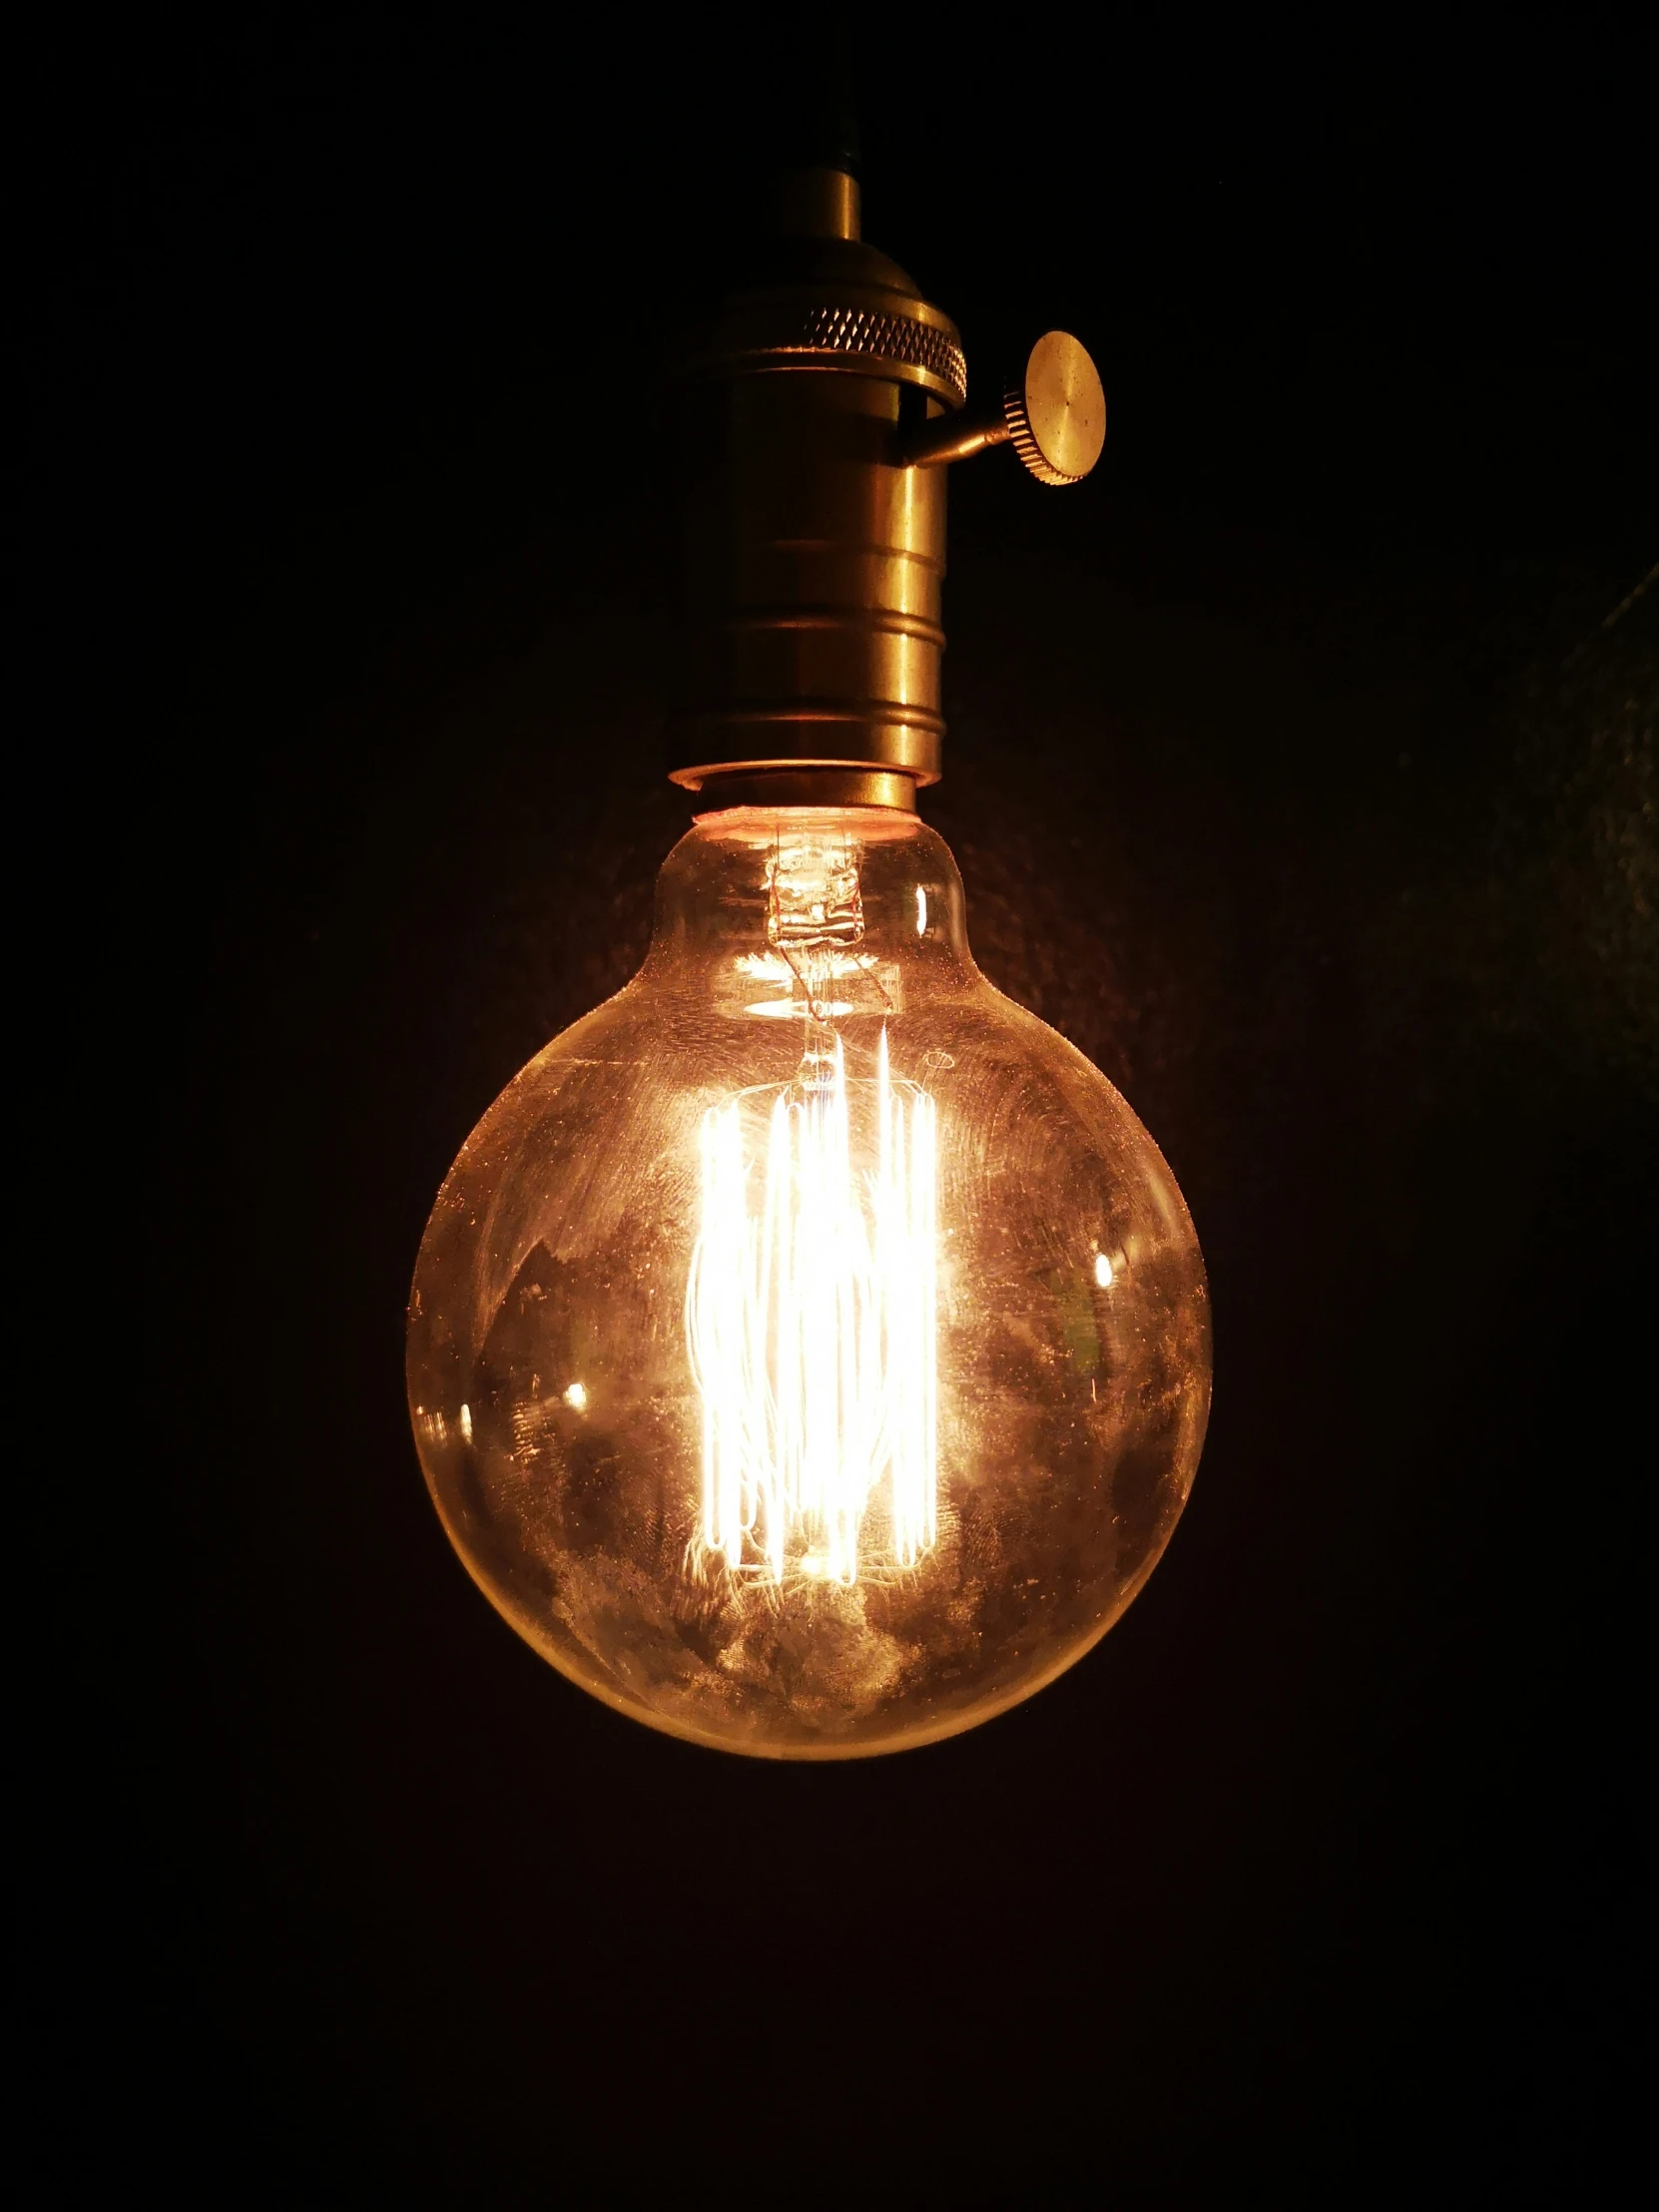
point(783, 883)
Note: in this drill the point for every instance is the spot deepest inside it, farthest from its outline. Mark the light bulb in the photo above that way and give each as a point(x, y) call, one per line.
point(808, 1352)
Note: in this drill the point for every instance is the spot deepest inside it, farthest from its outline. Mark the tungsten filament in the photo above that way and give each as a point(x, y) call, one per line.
point(811, 1322)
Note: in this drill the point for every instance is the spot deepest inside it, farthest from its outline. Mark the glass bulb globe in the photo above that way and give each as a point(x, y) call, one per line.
point(808, 1352)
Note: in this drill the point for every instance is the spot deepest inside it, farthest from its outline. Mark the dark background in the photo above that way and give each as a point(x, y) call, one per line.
point(1301, 770)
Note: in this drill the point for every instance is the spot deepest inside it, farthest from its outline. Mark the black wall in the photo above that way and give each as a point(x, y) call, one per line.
point(1301, 770)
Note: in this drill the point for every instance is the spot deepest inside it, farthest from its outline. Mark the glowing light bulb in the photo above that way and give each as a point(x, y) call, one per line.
point(890, 1322)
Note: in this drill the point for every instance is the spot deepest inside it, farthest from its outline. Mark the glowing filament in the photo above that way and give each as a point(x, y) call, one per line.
point(810, 1323)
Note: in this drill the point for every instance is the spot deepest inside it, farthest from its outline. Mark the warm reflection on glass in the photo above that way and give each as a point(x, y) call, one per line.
point(808, 1353)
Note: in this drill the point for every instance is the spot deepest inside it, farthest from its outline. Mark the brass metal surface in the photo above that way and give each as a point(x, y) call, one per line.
point(830, 303)
point(808, 414)
point(812, 558)
point(1057, 410)
point(955, 437)
point(1054, 415)
point(818, 203)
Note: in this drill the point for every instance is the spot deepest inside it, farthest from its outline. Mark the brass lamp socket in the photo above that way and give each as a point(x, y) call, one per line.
point(810, 418)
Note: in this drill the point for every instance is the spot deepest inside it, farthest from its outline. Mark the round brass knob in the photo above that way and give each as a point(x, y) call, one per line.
point(1056, 413)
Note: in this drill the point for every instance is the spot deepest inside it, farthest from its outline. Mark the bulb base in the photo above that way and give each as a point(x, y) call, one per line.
point(779, 784)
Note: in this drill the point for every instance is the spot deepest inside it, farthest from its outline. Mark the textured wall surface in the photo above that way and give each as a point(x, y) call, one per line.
point(1299, 772)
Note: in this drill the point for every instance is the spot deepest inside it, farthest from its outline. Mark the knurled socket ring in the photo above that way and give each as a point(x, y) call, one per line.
point(784, 332)
point(888, 337)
